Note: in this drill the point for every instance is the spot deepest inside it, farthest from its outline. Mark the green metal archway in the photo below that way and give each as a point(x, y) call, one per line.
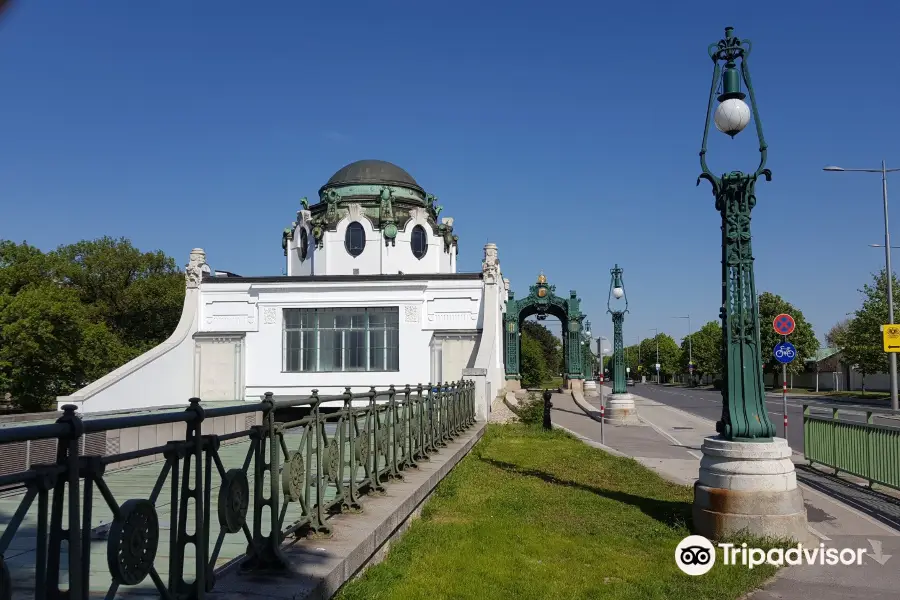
point(543, 301)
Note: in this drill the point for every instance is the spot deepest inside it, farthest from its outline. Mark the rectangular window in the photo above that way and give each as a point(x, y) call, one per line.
point(320, 340)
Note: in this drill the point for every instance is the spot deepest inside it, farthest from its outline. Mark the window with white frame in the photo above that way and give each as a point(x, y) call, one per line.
point(320, 340)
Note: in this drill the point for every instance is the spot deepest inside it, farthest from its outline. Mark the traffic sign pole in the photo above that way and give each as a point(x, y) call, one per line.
point(784, 352)
point(784, 397)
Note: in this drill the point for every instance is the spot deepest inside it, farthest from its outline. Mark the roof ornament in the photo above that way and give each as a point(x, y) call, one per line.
point(542, 280)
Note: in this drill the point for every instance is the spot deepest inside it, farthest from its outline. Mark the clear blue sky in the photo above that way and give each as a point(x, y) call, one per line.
point(565, 132)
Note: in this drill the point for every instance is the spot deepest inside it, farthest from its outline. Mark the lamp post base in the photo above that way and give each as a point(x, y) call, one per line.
point(620, 410)
point(748, 488)
point(513, 385)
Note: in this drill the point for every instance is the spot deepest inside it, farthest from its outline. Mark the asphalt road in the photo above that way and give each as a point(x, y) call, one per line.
point(708, 404)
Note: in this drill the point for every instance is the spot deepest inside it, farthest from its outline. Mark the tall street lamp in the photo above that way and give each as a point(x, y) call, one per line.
point(620, 406)
point(586, 363)
point(601, 352)
point(744, 414)
point(747, 482)
point(617, 292)
point(892, 356)
point(690, 347)
point(657, 365)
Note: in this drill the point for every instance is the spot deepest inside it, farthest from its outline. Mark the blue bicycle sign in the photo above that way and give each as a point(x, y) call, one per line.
point(785, 352)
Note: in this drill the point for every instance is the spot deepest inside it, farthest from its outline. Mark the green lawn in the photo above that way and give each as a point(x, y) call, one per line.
point(534, 514)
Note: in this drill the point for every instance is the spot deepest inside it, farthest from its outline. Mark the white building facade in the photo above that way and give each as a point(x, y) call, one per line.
point(372, 298)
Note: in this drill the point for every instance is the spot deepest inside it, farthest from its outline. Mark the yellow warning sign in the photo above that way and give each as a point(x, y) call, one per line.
point(891, 335)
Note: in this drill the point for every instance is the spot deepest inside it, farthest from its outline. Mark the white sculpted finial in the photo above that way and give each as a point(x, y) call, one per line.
point(490, 266)
point(193, 271)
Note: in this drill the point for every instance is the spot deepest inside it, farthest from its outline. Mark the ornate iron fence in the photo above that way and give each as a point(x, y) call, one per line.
point(864, 449)
point(275, 492)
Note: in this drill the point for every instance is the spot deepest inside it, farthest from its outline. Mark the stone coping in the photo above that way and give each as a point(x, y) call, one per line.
point(319, 567)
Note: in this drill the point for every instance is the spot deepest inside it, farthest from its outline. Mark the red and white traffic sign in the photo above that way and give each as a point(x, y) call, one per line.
point(783, 324)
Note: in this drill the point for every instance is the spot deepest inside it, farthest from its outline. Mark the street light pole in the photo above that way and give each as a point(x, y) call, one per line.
point(617, 292)
point(656, 337)
point(744, 413)
point(889, 274)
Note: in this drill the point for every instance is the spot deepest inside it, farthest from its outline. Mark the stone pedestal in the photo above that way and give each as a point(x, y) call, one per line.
point(620, 409)
point(748, 487)
point(513, 384)
point(575, 385)
point(590, 388)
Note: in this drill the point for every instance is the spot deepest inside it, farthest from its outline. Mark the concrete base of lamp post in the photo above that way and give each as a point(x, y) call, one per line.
point(620, 410)
point(513, 385)
point(748, 488)
point(574, 385)
point(590, 388)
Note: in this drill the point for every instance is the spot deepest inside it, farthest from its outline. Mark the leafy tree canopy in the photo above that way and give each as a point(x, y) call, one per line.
point(533, 365)
point(705, 347)
point(861, 340)
point(669, 355)
point(803, 338)
point(837, 335)
point(71, 315)
point(551, 346)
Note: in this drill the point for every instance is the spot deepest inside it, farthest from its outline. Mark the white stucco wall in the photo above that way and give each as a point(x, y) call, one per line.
point(296, 266)
point(425, 307)
point(230, 336)
point(377, 258)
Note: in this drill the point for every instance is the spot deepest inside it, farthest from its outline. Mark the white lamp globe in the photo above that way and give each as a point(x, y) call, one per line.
point(732, 115)
point(618, 293)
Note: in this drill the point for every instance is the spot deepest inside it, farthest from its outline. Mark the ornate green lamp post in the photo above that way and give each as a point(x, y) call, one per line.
point(587, 360)
point(617, 292)
point(747, 483)
point(744, 414)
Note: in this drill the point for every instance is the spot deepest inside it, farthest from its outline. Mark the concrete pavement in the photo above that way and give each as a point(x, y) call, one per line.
point(669, 441)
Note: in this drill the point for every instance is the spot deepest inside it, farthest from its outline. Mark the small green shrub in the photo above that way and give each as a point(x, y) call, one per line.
point(531, 411)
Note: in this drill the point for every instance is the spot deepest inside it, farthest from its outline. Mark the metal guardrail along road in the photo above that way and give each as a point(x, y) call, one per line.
point(291, 476)
point(864, 449)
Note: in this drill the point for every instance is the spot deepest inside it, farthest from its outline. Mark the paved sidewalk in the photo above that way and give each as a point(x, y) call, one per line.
point(669, 443)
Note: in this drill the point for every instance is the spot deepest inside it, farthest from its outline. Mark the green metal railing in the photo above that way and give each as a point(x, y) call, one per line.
point(862, 448)
point(275, 492)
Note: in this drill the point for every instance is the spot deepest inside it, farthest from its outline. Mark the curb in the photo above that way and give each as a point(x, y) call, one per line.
point(592, 443)
point(587, 408)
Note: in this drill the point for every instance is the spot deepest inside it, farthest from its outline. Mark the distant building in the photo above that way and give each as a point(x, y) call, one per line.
point(371, 297)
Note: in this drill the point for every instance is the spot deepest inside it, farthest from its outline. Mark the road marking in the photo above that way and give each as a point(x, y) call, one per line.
point(818, 533)
point(850, 508)
point(666, 434)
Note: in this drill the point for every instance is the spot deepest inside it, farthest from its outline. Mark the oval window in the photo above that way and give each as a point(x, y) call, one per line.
point(355, 238)
point(304, 244)
point(419, 242)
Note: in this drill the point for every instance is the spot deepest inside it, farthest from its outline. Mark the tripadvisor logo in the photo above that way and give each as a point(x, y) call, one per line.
point(696, 555)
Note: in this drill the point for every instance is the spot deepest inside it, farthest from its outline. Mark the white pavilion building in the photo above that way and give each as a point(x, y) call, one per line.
point(372, 297)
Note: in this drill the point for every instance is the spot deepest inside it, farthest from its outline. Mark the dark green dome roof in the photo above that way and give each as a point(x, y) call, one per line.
point(372, 172)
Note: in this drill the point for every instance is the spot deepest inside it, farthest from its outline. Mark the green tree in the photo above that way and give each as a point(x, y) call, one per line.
point(69, 316)
point(50, 346)
point(21, 266)
point(533, 366)
point(669, 355)
point(861, 341)
point(837, 335)
point(804, 338)
point(706, 350)
point(139, 295)
point(551, 346)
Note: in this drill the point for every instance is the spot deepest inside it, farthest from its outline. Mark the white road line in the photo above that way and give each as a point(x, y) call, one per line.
point(666, 434)
point(818, 533)
point(855, 511)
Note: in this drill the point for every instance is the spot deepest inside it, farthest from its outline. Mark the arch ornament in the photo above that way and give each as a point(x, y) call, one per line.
point(543, 302)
